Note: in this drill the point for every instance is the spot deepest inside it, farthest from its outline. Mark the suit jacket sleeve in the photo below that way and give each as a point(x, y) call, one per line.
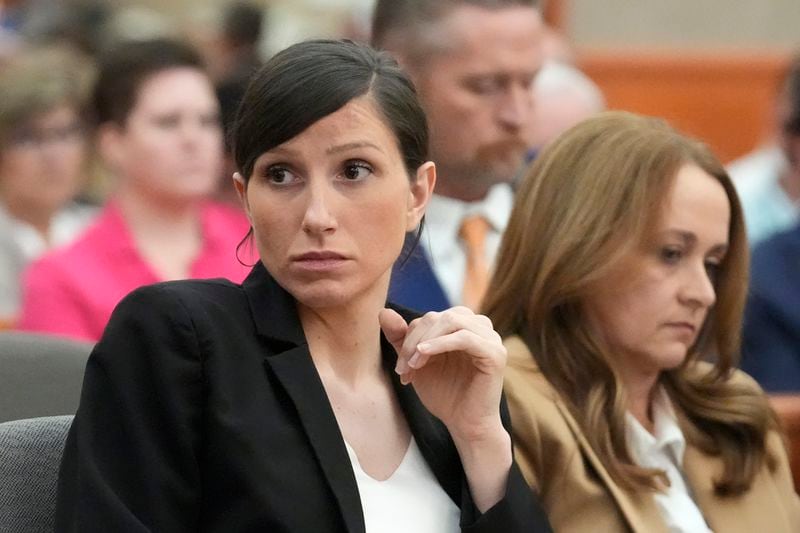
point(771, 350)
point(131, 458)
point(519, 510)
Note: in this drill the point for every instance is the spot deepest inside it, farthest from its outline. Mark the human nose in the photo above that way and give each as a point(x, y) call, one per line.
point(698, 289)
point(516, 106)
point(318, 218)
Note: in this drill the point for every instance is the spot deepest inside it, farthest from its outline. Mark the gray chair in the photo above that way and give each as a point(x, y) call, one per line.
point(40, 375)
point(30, 454)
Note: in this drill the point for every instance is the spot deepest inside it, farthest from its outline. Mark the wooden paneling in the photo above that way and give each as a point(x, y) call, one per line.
point(724, 98)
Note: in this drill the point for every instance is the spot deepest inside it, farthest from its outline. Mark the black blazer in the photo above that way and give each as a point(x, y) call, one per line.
point(202, 410)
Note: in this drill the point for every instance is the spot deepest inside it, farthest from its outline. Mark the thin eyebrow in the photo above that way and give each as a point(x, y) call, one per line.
point(688, 238)
point(352, 146)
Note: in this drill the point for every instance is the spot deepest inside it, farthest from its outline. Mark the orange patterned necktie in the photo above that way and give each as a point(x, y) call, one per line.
point(473, 232)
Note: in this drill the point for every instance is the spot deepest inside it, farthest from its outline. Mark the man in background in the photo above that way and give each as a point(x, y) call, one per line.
point(768, 179)
point(473, 63)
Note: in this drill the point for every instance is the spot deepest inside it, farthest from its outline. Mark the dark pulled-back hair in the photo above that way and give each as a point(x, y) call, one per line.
point(313, 79)
point(127, 66)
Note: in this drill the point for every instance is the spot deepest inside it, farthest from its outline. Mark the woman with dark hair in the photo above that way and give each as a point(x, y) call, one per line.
point(279, 404)
point(619, 291)
point(158, 132)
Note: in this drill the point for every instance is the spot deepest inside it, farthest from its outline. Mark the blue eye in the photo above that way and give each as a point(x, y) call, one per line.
point(356, 171)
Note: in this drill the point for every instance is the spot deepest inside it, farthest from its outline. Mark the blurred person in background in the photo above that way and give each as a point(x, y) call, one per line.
point(772, 316)
point(237, 59)
point(229, 36)
point(158, 131)
point(768, 179)
point(619, 292)
point(564, 96)
point(43, 149)
point(473, 64)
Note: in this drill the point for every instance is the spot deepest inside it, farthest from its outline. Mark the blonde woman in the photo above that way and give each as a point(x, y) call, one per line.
point(628, 244)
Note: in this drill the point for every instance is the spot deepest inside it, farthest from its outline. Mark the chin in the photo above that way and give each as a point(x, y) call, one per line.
point(672, 358)
point(320, 295)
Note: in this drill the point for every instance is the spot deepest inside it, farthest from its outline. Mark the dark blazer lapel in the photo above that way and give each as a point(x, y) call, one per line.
point(275, 317)
point(432, 437)
point(296, 372)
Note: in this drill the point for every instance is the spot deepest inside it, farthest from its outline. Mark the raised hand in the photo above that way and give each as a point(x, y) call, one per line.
point(455, 361)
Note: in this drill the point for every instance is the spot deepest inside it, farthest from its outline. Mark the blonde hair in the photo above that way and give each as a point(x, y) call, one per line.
point(39, 80)
point(587, 201)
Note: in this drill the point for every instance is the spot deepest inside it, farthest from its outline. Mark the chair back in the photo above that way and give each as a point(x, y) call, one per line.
point(41, 375)
point(30, 455)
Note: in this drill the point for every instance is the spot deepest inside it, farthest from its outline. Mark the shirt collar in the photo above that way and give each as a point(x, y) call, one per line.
point(667, 436)
point(445, 213)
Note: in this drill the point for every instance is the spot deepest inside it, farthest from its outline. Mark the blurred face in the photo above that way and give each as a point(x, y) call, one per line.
point(41, 163)
point(330, 208)
point(651, 307)
point(477, 95)
point(170, 148)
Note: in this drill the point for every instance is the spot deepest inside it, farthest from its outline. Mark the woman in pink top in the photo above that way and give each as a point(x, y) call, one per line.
point(159, 133)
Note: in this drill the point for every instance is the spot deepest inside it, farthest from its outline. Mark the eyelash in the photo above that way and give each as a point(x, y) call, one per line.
point(273, 171)
point(672, 256)
point(356, 164)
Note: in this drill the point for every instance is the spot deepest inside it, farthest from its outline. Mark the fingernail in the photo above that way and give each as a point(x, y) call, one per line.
point(423, 347)
point(401, 366)
point(414, 360)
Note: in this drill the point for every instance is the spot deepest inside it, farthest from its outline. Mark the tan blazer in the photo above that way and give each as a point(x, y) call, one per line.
point(579, 495)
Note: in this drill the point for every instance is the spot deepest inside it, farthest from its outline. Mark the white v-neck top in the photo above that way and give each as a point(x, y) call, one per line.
point(411, 499)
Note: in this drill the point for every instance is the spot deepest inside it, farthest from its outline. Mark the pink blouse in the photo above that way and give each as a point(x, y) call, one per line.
point(72, 291)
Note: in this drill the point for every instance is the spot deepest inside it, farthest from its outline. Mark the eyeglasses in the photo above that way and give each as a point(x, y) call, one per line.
point(30, 137)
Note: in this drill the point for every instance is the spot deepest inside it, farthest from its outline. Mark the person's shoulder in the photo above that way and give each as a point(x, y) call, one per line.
point(780, 244)
point(523, 378)
point(189, 291)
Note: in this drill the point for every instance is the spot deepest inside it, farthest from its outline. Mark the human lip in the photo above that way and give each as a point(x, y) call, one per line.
point(318, 260)
point(687, 328)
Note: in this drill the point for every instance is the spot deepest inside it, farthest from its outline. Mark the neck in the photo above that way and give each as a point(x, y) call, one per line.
point(38, 219)
point(344, 341)
point(148, 217)
point(640, 390)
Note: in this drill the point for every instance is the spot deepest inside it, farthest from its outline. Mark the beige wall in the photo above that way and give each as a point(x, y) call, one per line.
point(684, 23)
point(660, 23)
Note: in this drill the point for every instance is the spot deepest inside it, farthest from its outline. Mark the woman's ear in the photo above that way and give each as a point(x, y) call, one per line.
point(420, 193)
point(241, 192)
